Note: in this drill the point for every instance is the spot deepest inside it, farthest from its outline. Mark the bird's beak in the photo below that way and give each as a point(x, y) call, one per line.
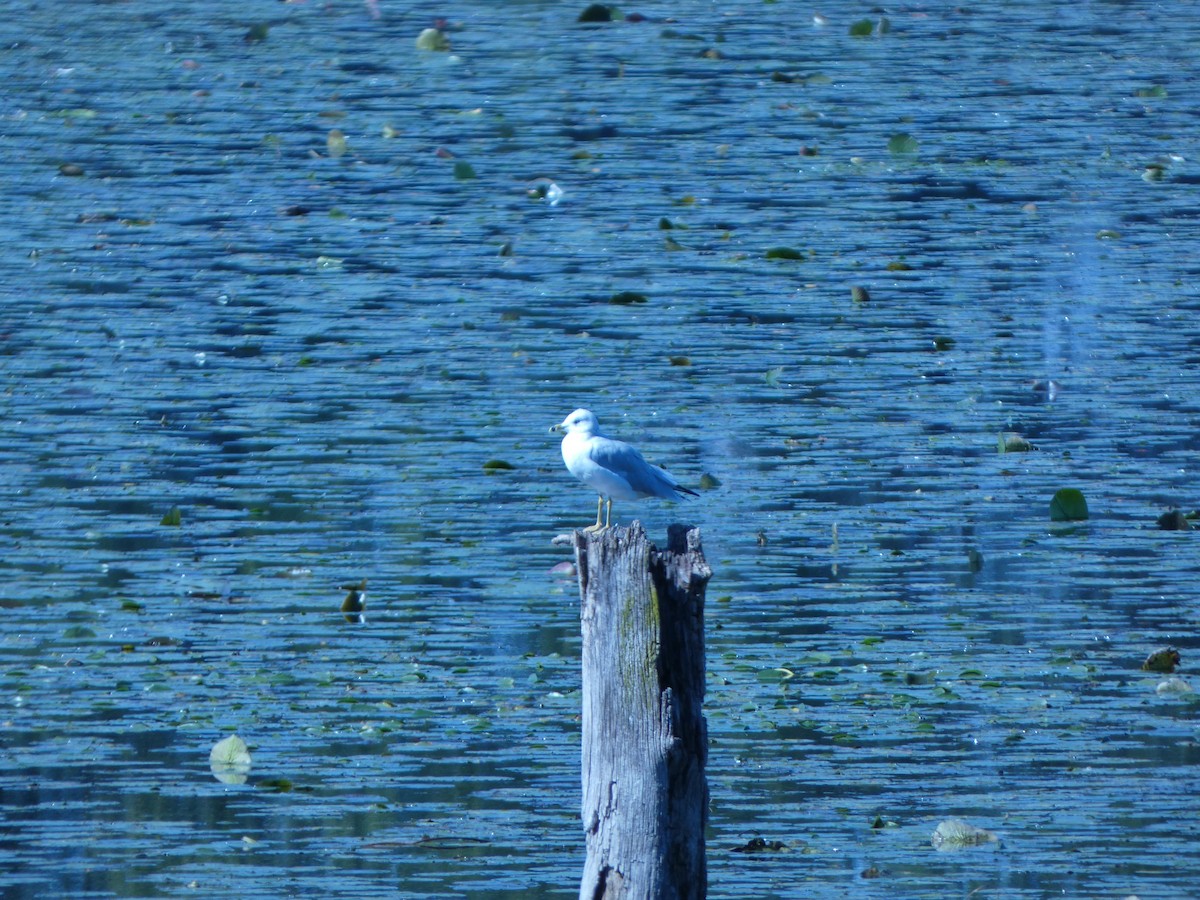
point(558, 427)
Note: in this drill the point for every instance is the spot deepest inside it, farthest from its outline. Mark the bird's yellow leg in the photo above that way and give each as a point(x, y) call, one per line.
point(607, 516)
point(599, 507)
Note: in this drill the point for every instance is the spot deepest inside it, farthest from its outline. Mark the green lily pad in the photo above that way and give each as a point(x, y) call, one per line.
point(627, 298)
point(902, 144)
point(1068, 505)
point(1011, 442)
point(598, 12)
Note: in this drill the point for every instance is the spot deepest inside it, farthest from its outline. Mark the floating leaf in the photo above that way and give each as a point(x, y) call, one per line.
point(943, 343)
point(899, 265)
point(173, 517)
point(432, 39)
point(1164, 660)
point(335, 143)
point(1068, 505)
point(1011, 442)
point(626, 298)
point(760, 845)
point(784, 253)
point(71, 170)
point(257, 33)
point(679, 360)
point(773, 375)
point(598, 12)
point(1155, 91)
point(356, 599)
point(902, 144)
point(463, 171)
point(859, 294)
point(862, 28)
point(708, 482)
point(229, 760)
point(1174, 685)
point(1174, 520)
point(498, 465)
point(955, 834)
point(1107, 234)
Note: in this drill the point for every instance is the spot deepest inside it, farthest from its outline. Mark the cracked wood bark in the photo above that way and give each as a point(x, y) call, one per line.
point(645, 742)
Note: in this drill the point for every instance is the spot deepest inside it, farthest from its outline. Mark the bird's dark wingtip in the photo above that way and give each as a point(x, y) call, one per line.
point(684, 490)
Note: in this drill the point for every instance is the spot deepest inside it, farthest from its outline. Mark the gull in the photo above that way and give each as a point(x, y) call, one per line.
point(612, 468)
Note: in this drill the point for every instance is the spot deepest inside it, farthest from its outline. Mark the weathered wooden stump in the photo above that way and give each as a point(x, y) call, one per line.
point(645, 797)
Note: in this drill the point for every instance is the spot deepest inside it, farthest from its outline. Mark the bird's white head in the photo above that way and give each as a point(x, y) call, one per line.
point(582, 422)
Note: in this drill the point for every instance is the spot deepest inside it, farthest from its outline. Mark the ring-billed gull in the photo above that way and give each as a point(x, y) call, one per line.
point(613, 468)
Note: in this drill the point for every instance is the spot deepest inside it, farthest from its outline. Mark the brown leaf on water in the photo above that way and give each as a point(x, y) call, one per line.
point(1164, 660)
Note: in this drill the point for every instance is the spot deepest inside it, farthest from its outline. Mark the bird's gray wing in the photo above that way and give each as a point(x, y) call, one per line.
point(625, 460)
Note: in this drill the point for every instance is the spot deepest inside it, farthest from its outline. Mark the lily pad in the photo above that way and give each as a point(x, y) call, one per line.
point(627, 298)
point(432, 39)
point(1174, 685)
point(335, 143)
point(902, 144)
point(356, 597)
point(1011, 442)
point(1174, 520)
point(760, 845)
point(1164, 660)
point(1068, 505)
point(229, 760)
point(784, 253)
point(598, 12)
point(955, 834)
